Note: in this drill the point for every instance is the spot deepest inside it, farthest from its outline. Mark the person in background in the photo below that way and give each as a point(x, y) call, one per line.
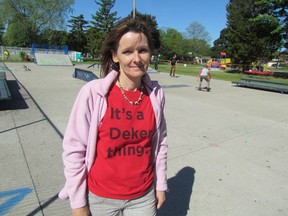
point(173, 65)
point(115, 143)
point(156, 62)
point(206, 75)
point(7, 55)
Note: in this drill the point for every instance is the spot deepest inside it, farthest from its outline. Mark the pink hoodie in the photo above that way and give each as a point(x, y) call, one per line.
point(79, 143)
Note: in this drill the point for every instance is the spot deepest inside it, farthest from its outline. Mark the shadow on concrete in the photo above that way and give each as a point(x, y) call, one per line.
point(21, 126)
point(175, 86)
point(17, 101)
point(43, 206)
point(180, 191)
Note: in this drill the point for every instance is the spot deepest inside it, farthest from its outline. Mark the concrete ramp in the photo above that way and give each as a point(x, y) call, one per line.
point(84, 75)
point(52, 59)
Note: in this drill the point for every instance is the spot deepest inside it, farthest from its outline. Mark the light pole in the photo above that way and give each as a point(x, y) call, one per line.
point(134, 8)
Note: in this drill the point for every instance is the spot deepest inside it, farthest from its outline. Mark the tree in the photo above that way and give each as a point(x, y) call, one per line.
point(2, 28)
point(199, 47)
point(77, 37)
point(17, 34)
point(55, 37)
point(198, 39)
point(197, 31)
point(35, 16)
point(249, 38)
point(102, 23)
point(152, 25)
point(220, 44)
point(171, 42)
point(275, 9)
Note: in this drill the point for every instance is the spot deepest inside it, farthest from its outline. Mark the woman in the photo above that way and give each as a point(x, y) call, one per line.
point(115, 144)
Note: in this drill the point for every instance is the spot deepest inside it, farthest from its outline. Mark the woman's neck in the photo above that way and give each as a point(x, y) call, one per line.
point(129, 84)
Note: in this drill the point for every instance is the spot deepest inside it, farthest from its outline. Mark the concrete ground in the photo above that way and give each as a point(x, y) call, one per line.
point(227, 148)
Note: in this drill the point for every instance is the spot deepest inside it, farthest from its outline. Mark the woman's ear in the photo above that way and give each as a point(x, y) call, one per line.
point(114, 57)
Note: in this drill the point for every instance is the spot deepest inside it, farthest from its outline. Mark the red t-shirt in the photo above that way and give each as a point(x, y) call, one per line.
point(123, 168)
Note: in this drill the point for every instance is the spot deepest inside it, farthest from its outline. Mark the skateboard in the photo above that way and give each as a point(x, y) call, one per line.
point(207, 89)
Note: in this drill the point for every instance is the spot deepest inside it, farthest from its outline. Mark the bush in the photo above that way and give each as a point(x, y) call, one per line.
point(22, 55)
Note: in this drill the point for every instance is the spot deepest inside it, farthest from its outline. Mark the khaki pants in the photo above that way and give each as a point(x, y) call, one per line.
point(172, 70)
point(142, 206)
point(206, 78)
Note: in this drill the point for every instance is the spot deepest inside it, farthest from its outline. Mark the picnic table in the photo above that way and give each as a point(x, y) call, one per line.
point(263, 84)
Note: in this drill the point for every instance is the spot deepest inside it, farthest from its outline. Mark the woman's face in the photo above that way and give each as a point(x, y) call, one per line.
point(133, 54)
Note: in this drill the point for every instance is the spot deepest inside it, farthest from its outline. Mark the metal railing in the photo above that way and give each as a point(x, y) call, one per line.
point(15, 52)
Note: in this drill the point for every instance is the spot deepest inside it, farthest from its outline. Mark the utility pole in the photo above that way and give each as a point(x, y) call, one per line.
point(134, 8)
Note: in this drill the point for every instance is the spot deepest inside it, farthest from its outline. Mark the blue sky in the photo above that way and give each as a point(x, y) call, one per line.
point(177, 14)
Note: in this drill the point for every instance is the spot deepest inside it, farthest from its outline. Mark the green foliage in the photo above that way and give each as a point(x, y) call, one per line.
point(1, 33)
point(93, 41)
point(171, 42)
point(221, 44)
point(17, 34)
point(77, 37)
point(250, 35)
point(197, 31)
point(199, 47)
point(54, 37)
point(28, 19)
point(152, 25)
point(104, 19)
point(186, 48)
point(276, 9)
point(102, 23)
point(253, 32)
point(22, 55)
point(39, 22)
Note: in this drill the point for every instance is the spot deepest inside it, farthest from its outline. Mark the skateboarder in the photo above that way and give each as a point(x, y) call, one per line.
point(206, 75)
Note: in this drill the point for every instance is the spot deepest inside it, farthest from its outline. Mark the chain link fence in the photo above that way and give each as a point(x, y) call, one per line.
point(15, 53)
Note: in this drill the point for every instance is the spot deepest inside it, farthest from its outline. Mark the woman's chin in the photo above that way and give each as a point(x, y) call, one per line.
point(139, 71)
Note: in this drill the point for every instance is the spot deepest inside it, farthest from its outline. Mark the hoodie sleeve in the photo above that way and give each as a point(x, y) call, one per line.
point(74, 150)
point(162, 150)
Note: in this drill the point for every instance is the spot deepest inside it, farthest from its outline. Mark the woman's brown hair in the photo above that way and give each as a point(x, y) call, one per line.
point(111, 42)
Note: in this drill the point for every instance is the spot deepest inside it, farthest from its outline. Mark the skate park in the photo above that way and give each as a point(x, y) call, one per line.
point(227, 148)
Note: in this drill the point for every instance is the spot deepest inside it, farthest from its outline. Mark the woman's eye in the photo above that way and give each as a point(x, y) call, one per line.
point(143, 51)
point(127, 52)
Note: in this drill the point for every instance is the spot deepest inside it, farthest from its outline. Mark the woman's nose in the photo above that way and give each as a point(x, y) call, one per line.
point(136, 56)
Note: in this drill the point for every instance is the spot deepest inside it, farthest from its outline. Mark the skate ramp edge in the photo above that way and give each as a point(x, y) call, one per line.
point(84, 75)
point(52, 59)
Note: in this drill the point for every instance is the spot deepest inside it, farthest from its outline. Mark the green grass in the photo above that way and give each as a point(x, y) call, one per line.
point(227, 75)
point(193, 70)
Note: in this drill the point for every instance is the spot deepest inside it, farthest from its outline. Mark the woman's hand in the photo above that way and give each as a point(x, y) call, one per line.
point(84, 211)
point(160, 198)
